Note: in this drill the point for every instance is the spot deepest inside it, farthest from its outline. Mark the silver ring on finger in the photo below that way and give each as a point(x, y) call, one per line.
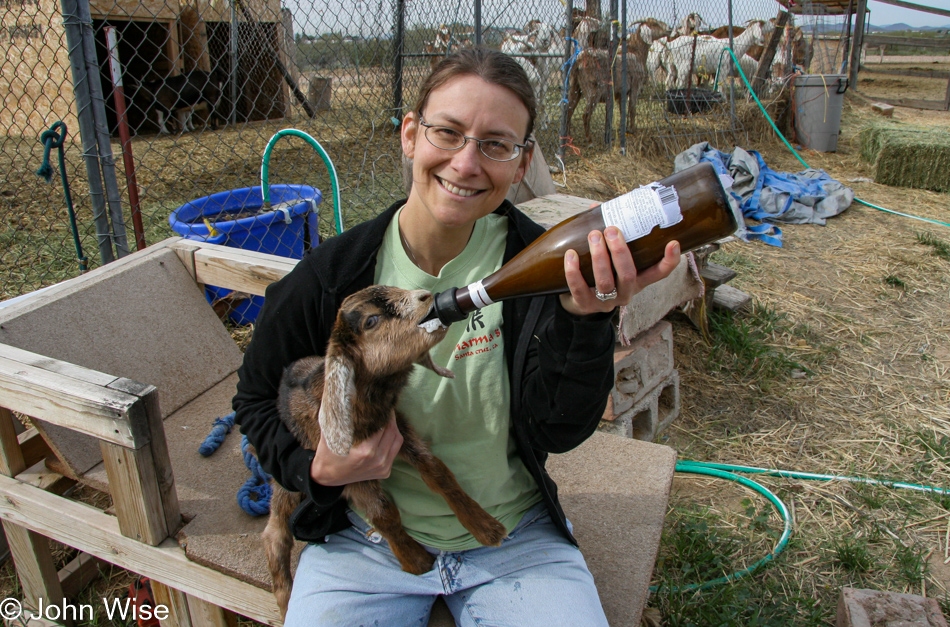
point(605, 297)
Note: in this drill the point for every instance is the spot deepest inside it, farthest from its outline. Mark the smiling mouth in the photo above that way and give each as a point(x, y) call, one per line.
point(458, 191)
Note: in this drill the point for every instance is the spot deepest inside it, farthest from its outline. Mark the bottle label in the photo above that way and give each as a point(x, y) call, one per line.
point(479, 296)
point(637, 212)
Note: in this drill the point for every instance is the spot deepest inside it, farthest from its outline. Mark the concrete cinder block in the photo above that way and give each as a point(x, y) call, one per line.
point(656, 300)
point(865, 608)
point(883, 109)
point(640, 367)
point(650, 415)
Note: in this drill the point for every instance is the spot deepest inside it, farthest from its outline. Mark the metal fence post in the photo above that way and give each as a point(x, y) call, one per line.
point(87, 127)
point(565, 70)
point(398, 57)
point(106, 158)
point(478, 22)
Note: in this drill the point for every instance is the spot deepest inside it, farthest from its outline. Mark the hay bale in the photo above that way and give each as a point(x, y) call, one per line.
point(908, 157)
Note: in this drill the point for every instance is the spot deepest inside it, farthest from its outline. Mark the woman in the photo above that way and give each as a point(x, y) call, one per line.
point(537, 384)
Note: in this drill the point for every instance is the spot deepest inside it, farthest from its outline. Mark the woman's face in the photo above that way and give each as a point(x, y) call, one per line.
point(456, 187)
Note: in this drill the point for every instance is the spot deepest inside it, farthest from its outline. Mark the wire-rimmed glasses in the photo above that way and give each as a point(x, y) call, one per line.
point(495, 148)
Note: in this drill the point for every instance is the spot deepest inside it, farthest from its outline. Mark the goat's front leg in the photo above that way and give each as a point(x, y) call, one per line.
point(486, 529)
point(383, 514)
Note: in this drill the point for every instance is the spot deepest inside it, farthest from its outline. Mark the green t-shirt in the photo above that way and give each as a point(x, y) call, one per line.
point(466, 419)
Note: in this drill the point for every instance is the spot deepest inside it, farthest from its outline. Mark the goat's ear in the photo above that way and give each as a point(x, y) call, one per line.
point(426, 362)
point(336, 406)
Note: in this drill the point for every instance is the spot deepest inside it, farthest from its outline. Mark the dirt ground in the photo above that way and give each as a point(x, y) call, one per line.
point(858, 308)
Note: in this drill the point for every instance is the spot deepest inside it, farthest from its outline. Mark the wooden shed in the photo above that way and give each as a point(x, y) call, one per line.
point(162, 38)
point(157, 39)
point(35, 84)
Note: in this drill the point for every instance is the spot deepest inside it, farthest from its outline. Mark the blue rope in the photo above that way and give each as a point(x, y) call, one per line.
point(220, 430)
point(568, 65)
point(254, 495)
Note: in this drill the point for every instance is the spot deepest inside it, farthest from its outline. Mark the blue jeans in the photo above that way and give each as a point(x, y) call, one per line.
point(536, 577)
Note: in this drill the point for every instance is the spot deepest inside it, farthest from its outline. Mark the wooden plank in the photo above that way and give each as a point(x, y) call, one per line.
point(234, 269)
point(207, 614)
point(765, 62)
point(161, 462)
point(33, 446)
point(64, 368)
point(932, 105)
point(905, 72)
point(34, 564)
point(92, 531)
point(555, 208)
point(11, 455)
point(728, 297)
point(135, 494)
point(917, 7)
point(79, 573)
point(39, 476)
point(87, 408)
point(715, 275)
point(186, 249)
point(177, 603)
point(914, 42)
point(146, 10)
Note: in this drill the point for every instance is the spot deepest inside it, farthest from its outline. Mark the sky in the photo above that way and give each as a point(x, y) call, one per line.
point(883, 14)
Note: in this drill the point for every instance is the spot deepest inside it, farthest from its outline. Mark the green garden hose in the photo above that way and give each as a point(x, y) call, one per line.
point(795, 152)
point(334, 181)
point(727, 471)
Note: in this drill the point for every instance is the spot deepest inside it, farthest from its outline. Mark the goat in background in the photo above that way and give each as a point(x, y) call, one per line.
point(348, 396)
point(597, 76)
point(179, 95)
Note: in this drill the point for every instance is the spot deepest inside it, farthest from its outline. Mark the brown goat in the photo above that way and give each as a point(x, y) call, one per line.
point(348, 396)
point(597, 77)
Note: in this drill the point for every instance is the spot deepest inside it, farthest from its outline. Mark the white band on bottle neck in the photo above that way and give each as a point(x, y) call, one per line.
point(476, 291)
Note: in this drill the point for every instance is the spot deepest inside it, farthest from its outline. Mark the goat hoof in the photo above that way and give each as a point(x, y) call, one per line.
point(492, 533)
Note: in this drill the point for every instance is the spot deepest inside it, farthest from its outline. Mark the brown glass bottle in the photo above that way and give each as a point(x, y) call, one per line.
point(697, 199)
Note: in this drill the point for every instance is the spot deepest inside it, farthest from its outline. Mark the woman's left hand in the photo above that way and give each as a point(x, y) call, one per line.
point(609, 257)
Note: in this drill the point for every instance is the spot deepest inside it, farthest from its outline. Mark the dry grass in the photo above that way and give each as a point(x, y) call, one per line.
point(856, 310)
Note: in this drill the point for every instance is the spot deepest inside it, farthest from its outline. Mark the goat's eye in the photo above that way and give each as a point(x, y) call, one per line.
point(370, 322)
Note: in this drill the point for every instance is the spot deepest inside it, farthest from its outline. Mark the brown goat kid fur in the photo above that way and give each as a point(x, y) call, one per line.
point(351, 394)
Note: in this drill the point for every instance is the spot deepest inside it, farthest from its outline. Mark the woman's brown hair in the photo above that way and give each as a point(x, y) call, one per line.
point(489, 65)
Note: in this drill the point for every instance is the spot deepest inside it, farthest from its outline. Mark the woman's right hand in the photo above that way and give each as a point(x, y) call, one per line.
point(370, 459)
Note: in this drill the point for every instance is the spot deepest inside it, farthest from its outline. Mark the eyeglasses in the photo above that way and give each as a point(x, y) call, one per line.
point(495, 148)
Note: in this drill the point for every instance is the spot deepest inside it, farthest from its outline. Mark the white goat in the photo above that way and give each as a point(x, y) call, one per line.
point(708, 50)
point(539, 38)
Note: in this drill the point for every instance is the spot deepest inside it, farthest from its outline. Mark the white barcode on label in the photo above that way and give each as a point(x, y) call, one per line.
point(637, 212)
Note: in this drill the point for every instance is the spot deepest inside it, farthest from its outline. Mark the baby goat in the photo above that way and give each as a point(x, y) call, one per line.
point(348, 396)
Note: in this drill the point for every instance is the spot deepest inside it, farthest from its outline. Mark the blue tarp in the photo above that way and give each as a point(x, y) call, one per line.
point(760, 193)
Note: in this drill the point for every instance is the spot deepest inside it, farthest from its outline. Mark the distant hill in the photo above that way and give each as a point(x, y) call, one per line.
point(890, 28)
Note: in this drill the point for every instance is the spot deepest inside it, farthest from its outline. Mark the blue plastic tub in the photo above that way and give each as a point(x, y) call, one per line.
point(286, 229)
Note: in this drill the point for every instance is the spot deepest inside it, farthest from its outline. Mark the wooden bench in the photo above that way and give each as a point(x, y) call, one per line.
point(123, 370)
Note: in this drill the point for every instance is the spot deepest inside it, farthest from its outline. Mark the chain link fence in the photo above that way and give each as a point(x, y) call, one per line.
point(206, 86)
